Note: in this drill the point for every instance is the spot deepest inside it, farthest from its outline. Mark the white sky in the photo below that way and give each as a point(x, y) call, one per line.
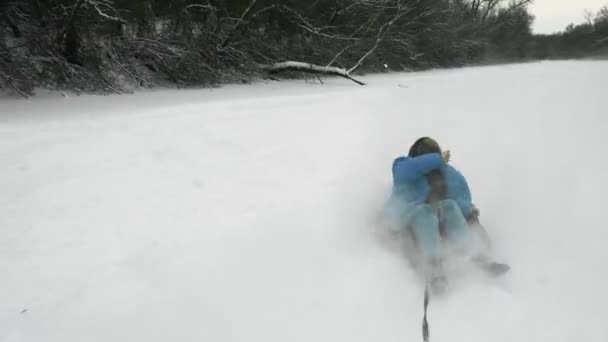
point(555, 15)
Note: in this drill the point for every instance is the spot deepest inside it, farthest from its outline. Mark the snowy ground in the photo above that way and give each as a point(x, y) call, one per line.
point(242, 213)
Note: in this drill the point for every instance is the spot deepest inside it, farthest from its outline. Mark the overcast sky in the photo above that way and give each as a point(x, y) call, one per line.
point(555, 15)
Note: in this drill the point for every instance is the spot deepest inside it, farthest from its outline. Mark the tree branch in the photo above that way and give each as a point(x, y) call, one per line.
point(238, 23)
point(308, 67)
point(95, 5)
point(381, 33)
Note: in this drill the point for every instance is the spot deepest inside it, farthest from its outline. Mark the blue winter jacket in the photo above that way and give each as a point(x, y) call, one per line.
point(410, 187)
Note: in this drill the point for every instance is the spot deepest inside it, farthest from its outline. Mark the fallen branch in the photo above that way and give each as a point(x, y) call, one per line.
point(310, 68)
point(8, 82)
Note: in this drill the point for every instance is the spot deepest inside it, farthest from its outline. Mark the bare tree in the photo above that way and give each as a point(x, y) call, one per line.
point(397, 9)
point(115, 45)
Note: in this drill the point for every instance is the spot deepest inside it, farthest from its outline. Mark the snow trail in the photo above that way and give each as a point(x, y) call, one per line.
point(242, 213)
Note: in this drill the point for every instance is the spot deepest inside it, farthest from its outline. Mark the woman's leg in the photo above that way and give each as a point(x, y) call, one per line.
point(457, 230)
point(424, 223)
point(425, 226)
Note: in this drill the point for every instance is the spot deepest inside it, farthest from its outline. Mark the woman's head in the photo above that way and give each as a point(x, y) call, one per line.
point(424, 145)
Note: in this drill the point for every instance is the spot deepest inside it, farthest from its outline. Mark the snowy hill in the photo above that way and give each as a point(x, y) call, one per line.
point(243, 213)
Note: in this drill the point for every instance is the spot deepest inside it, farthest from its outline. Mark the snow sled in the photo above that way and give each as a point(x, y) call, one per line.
point(404, 241)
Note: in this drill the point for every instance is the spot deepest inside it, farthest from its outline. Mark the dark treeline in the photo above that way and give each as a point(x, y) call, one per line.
point(583, 40)
point(115, 45)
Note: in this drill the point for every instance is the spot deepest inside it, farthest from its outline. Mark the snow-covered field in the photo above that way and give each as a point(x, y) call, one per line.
point(243, 213)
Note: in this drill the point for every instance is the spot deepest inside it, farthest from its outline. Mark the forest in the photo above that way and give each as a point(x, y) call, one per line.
point(115, 46)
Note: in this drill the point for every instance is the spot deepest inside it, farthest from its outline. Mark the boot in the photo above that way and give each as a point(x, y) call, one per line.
point(492, 268)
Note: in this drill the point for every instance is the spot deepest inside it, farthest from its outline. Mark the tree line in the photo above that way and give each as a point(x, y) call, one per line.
point(118, 45)
point(587, 39)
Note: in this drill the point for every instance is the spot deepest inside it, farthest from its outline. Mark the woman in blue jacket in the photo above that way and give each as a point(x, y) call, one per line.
point(432, 200)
